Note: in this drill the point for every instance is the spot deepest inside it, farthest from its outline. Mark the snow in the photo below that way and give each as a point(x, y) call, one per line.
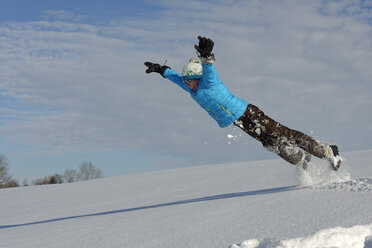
point(257, 204)
point(352, 237)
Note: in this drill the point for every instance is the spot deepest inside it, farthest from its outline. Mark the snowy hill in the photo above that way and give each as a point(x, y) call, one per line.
point(252, 204)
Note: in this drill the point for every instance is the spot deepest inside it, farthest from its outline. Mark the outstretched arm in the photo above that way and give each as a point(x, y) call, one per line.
point(176, 78)
point(152, 67)
point(166, 72)
point(207, 58)
point(204, 49)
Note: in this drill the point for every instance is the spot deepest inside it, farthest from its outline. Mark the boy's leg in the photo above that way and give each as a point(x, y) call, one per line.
point(268, 131)
point(289, 152)
point(294, 155)
point(273, 135)
point(286, 151)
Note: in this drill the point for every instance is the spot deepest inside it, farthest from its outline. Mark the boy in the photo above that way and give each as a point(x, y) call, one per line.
point(204, 86)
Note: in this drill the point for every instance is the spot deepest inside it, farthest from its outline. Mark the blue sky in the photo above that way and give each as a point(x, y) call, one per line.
point(73, 87)
point(22, 10)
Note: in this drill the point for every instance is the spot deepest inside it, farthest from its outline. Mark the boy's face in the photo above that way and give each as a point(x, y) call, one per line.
point(193, 84)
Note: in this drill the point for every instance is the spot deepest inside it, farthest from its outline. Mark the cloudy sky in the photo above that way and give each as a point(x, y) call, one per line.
point(73, 87)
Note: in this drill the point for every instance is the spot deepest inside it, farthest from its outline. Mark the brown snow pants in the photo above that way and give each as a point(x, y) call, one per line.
point(291, 145)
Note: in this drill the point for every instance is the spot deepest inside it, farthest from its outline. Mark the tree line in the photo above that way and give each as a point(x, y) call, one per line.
point(86, 171)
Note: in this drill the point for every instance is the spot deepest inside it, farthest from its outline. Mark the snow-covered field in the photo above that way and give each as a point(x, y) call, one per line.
point(253, 204)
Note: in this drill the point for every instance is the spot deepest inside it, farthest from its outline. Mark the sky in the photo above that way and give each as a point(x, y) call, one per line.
point(73, 86)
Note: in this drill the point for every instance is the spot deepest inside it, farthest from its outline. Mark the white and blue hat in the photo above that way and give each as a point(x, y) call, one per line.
point(193, 70)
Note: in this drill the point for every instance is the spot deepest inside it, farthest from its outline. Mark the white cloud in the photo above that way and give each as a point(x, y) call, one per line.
point(63, 15)
point(304, 63)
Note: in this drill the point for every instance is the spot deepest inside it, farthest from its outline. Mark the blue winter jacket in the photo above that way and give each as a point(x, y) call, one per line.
point(213, 96)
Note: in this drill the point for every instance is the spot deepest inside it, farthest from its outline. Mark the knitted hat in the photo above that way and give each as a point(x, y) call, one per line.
point(193, 70)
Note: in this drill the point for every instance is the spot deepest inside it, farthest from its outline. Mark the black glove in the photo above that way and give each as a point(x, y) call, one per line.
point(156, 68)
point(205, 47)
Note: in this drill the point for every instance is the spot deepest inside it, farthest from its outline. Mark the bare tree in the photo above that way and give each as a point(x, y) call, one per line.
point(88, 172)
point(4, 177)
point(25, 182)
point(56, 179)
point(6, 180)
point(40, 181)
point(70, 175)
point(53, 179)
